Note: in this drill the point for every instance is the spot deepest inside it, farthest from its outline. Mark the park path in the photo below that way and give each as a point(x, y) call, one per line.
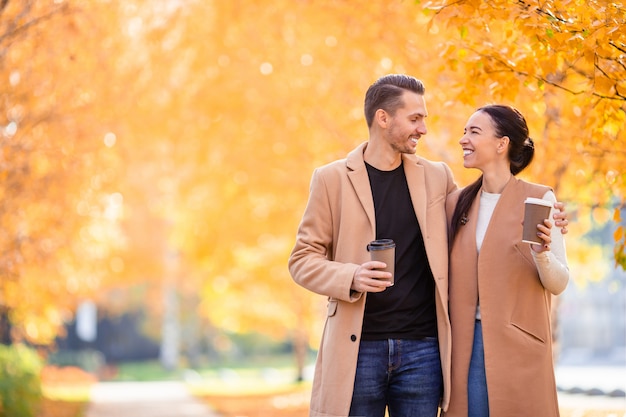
point(172, 399)
point(145, 399)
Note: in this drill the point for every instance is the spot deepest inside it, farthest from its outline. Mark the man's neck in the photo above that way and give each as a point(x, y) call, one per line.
point(381, 157)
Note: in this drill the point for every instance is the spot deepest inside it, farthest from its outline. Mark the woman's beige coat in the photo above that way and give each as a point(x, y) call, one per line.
point(514, 306)
point(336, 227)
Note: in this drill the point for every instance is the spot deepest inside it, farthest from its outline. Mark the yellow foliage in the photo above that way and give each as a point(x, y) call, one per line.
point(183, 159)
point(48, 158)
point(574, 51)
point(601, 215)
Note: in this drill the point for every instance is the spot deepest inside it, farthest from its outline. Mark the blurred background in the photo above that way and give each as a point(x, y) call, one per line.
point(155, 157)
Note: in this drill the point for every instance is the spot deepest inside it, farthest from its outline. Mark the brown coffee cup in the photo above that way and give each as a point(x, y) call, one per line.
point(536, 211)
point(384, 250)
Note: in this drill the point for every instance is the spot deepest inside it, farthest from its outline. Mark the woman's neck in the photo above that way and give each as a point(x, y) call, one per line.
point(494, 182)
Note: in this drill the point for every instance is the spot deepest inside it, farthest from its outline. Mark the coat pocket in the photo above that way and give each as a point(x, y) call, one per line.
point(525, 254)
point(528, 333)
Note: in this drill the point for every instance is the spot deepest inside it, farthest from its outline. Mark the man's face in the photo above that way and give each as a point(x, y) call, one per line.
point(408, 124)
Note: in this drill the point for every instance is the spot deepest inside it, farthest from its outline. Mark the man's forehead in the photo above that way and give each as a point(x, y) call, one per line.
point(415, 105)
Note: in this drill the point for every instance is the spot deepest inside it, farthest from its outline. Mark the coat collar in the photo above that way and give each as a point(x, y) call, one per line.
point(470, 244)
point(357, 173)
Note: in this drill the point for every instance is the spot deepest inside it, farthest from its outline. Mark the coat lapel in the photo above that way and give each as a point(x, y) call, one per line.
point(357, 173)
point(500, 210)
point(417, 187)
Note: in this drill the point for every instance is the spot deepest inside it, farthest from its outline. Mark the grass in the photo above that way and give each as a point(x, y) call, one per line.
point(142, 371)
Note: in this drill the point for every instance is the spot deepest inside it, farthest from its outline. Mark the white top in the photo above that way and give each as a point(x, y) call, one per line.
point(551, 264)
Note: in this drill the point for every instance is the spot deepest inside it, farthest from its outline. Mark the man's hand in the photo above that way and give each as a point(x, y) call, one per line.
point(368, 279)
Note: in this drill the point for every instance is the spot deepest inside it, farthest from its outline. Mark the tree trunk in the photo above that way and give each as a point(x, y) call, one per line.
point(300, 345)
point(5, 327)
point(170, 331)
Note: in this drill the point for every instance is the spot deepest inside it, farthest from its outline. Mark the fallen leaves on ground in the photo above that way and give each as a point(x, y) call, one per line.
point(294, 403)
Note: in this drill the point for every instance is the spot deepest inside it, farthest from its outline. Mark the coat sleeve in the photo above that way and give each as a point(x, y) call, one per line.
point(450, 184)
point(452, 196)
point(311, 262)
point(552, 264)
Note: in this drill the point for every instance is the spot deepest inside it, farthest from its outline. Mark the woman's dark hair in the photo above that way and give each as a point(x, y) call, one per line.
point(386, 93)
point(507, 121)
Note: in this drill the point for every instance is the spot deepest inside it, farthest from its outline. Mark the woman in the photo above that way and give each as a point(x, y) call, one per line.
point(500, 289)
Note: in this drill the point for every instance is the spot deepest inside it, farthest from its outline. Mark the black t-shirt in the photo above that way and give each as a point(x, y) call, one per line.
point(407, 309)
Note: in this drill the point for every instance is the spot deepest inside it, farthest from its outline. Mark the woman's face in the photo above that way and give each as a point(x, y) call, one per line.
point(481, 145)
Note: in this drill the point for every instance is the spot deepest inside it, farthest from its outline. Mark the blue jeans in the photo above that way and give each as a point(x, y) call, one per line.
point(477, 398)
point(403, 375)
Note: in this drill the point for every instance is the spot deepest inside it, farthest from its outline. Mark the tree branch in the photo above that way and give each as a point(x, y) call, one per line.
point(23, 28)
point(618, 96)
point(540, 11)
point(621, 49)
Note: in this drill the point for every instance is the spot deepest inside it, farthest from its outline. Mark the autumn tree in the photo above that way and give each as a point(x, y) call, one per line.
point(54, 231)
point(158, 154)
point(222, 129)
point(564, 64)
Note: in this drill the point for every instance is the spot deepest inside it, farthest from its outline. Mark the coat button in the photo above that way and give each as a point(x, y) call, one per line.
point(353, 338)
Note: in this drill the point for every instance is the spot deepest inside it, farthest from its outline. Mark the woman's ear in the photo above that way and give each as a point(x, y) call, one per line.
point(503, 144)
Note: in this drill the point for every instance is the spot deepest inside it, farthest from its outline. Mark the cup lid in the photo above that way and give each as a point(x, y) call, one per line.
point(539, 201)
point(379, 244)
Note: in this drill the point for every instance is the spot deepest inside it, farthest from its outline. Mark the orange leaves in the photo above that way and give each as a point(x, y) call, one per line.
point(49, 157)
point(65, 376)
point(619, 236)
point(568, 57)
point(214, 116)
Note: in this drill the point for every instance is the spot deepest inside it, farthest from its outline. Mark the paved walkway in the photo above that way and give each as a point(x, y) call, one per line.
point(594, 380)
point(145, 399)
point(603, 405)
point(172, 399)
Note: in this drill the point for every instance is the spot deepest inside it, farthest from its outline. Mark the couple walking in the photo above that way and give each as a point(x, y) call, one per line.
point(465, 329)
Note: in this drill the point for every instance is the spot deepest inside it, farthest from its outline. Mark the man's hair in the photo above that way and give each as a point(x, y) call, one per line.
point(386, 93)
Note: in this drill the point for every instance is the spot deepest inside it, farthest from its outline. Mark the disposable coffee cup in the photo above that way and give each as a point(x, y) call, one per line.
point(384, 250)
point(536, 211)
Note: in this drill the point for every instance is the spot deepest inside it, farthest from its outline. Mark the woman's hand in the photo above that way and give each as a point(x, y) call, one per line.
point(543, 231)
point(560, 217)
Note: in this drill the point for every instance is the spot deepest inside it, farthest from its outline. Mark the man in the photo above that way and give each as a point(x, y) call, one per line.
point(383, 346)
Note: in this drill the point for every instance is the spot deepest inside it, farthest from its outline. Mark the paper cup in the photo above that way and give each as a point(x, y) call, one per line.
point(536, 211)
point(384, 250)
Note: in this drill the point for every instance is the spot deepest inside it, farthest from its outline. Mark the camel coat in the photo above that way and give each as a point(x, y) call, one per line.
point(514, 306)
point(336, 227)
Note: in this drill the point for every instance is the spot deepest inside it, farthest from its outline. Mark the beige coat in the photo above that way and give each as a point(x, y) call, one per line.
point(515, 311)
point(337, 224)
